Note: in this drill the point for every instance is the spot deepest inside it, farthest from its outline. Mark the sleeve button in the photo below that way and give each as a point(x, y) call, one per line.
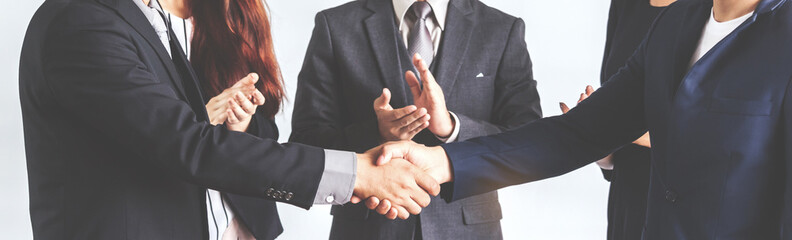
point(270, 191)
point(276, 194)
point(289, 196)
point(330, 199)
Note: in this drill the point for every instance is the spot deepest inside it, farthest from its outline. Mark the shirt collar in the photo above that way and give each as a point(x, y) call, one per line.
point(439, 7)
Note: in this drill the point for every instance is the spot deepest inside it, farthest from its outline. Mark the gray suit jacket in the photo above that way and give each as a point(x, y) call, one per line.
point(356, 51)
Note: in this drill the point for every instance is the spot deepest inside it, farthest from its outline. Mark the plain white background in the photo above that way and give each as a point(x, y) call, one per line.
point(565, 39)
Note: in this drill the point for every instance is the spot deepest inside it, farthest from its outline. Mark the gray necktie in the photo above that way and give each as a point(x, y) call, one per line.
point(420, 39)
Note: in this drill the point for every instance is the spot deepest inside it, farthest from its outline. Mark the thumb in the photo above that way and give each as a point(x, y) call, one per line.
point(250, 79)
point(412, 81)
point(384, 158)
point(390, 151)
point(426, 76)
point(383, 101)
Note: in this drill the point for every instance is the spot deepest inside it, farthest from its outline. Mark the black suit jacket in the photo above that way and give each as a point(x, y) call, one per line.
point(484, 70)
point(721, 129)
point(116, 149)
point(259, 215)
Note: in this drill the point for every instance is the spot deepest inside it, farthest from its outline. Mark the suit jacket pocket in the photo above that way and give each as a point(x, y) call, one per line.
point(482, 213)
point(741, 107)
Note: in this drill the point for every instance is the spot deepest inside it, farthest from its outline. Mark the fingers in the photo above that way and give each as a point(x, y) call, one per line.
point(383, 101)
point(355, 200)
point(392, 214)
point(422, 200)
point(418, 124)
point(564, 107)
point(259, 98)
point(412, 206)
point(373, 202)
point(232, 119)
point(383, 207)
point(403, 112)
point(250, 79)
point(402, 212)
point(420, 128)
point(412, 81)
point(245, 103)
point(583, 96)
point(240, 113)
point(428, 184)
point(420, 64)
point(423, 69)
point(589, 90)
point(415, 116)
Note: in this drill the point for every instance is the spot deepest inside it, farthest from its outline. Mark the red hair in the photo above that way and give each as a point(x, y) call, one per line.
point(232, 38)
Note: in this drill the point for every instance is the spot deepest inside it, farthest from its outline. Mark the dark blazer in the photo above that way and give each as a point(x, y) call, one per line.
point(356, 50)
point(259, 215)
point(117, 139)
point(720, 130)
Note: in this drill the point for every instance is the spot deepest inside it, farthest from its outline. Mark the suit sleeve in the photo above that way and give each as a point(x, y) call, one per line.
point(612, 117)
point(516, 98)
point(257, 125)
point(317, 118)
point(96, 73)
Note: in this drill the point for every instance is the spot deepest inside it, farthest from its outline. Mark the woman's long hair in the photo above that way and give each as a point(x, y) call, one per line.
point(232, 38)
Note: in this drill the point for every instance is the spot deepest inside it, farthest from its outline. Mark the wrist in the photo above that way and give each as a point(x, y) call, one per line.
point(240, 126)
point(446, 128)
point(363, 161)
point(445, 171)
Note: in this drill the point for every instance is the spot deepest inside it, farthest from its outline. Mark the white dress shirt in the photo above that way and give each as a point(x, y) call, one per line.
point(436, 26)
point(338, 179)
point(714, 32)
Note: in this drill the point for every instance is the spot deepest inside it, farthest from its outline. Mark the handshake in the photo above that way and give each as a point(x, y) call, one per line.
point(396, 178)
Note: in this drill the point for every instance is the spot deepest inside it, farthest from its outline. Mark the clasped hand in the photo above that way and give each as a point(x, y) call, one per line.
point(414, 172)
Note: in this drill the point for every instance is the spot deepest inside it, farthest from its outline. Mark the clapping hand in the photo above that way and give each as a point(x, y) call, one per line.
point(589, 90)
point(428, 94)
point(237, 104)
point(398, 124)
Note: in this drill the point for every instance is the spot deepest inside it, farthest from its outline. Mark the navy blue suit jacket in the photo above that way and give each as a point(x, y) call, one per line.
point(720, 130)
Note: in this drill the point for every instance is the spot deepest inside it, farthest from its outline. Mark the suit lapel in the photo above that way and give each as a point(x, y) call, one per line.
point(380, 27)
point(189, 79)
point(696, 17)
point(453, 48)
point(687, 78)
point(132, 15)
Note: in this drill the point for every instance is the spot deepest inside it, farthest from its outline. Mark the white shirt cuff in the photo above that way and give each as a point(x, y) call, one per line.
point(338, 178)
point(454, 133)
